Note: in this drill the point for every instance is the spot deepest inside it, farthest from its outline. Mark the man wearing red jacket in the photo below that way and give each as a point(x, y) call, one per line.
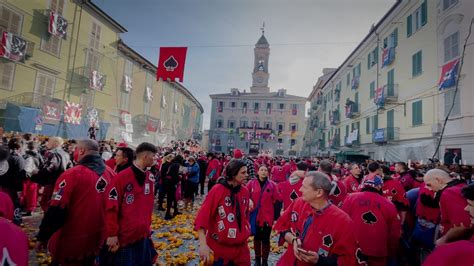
point(353, 180)
point(213, 169)
point(74, 224)
point(454, 220)
point(129, 210)
point(376, 223)
point(290, 189)
point(459, 252)
point(317, 232)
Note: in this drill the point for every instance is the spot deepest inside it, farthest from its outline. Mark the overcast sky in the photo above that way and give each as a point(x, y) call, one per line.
point(305, 36)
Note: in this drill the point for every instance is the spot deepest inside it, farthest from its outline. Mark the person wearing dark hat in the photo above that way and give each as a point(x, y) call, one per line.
point(376, 221)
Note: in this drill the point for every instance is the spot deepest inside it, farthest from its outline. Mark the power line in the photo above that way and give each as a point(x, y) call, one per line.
point(248, 45)
point(461, 63)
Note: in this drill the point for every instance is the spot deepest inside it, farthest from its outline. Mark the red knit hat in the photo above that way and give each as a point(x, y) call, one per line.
point(238, 154)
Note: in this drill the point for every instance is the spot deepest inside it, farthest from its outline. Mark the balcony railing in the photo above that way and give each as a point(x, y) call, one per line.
point(335, 118)
point(352, 143)
point(355, 82)
point(383, 135)
point(390, 93)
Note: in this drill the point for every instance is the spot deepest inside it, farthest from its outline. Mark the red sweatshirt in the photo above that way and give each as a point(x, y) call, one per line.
point(277, 174)
point(82, 193)
point(289, 192)
point(130, 205)
point(452, 205)
point(218, 215)
point(213, 167)
point(13, 244)
point(329, 234)
point(459, 253)
point(394, 191)
point(376, 223)
point(351, 183)
point(267, 200)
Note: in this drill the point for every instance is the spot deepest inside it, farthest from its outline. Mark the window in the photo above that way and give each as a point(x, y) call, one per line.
point(280, 127)
point(87, 99)
point(232, 104)
point(256, 107)
point(417, 64)
point(50, 43)
point(372, 90)
point(372, 57)
point(93, 60)
point(449, 3)
point(219, 123)
point(231, 124)
point(269, 105)
point(244, 123)
point(44, 85)
point(417, 113)
point(94, 38)
point(9, 21)
point(244, 105)
point(268, 125)
point(282, 106)
point(220, 107)
point(367, 126)
point(292, 142)
point(417, 19)
point(375, 122)
point(347, 130)
point(356, 71)
point(451, 47)
point(124, 95)
point(391, 40)
point(448, 101)
point(348, 79)
point(293, 127)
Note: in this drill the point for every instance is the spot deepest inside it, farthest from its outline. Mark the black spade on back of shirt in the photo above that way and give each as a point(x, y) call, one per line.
point(337, 191)
point(101, 184)
point(327, 241)
point(113, 194)
point(361, 257)
point(171, 63)
point(293, 195)
point(369, 218)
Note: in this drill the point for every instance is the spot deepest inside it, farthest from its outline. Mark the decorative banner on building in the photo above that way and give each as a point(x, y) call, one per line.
point(125, 117)
point(171, 63)
point(127, 137)
point(163, 101)
point(13, 47)
point(294, 111)
point(352, 136)
point(388, 55)
point(152, 124)
point(129, 128)
point(97, 80)
point(149, 94)
point(57, 25)
point(249, 135)
point(378, 135)
point(128, 83)
point(93, 117)
point(449, 75)
point(51, 113)
point(72, 113)
point(162, 125)
point(379, 99)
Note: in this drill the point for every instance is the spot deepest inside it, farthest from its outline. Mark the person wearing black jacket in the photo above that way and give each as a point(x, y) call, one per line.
point(170, 182)
point(12, 173)
point(202, 162)
point(33, 161)
point(56, 161)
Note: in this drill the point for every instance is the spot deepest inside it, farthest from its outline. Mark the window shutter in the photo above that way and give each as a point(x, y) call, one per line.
point(420, 60)
point(390, 119)
point(409, 26)
point(376, 122)
point(368, 60)
point(385, 42)
point(367, 125)
point(376, 54)
point(395, 37)
point(413, 65)
point(424, 13)
point(356, 98)
point(6, 75)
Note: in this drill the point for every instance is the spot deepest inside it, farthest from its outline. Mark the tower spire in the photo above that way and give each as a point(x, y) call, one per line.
point(263, 28)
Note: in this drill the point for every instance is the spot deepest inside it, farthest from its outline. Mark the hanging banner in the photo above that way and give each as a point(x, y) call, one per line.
point(13, 47)
point(163, 101)
point(57, 25)
point(72, 113)
point(97, 80)
point(51, 113)
point(171, 63)
point(152, 124)
point(449, 75)
point(127, 86)
point(379, 99)
point(127, 137)
point(93, 117)
point(149, 94)
point(388, 55)
point(125, 117)
point(129, 128)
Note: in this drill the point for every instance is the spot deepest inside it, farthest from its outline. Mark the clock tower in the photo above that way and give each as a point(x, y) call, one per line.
point(260, 73)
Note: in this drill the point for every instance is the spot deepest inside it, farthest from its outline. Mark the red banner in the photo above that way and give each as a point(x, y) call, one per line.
point(51, 113)
point(152, 125)
point(171, 63)
point(12, 47)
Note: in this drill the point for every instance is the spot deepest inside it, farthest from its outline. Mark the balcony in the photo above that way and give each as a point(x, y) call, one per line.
point(384, 135)
point(337, 95)
point(83, 78)
point(335, 142)
point(352, 109)
point(355, 83)
point(390, 93)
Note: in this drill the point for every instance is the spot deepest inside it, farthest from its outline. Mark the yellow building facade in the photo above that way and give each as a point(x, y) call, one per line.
point(90, 67)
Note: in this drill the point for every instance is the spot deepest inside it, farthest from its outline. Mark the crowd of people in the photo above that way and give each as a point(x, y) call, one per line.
point(97, 199)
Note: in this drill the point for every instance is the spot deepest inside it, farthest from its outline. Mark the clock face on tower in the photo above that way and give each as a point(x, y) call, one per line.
point(259, 79)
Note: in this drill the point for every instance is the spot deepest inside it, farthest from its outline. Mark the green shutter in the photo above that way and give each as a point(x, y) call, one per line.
point(376, 54)
point(356, 98)
point(347, 130)
point(390, 119)
point(359, 70)
point(376, 121)
point(409, 25)
point(413, 65)
point(367, 125)
point(395, 37)
point(385, 42)
point(372, 90)
point(390, 82)
point(417, 113)
point(424, 13)
point(420, 65)
point(368, 60)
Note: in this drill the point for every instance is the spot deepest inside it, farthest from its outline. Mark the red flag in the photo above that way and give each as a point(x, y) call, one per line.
point(171, 63)
point(152, 125)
